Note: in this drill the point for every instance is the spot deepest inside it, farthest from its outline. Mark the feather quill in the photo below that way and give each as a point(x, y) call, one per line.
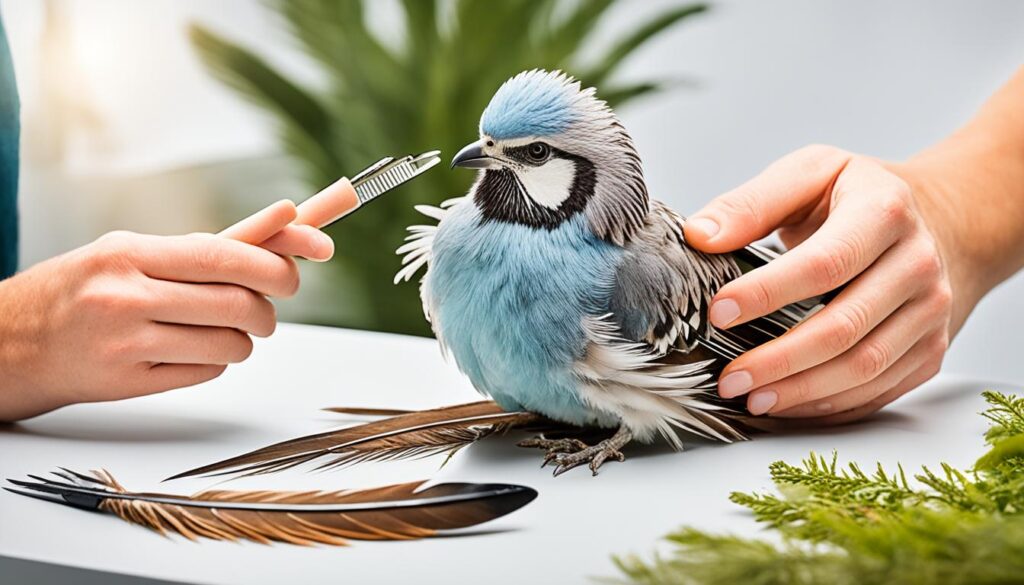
point(408, 435)
point(395, 512)
point(360, 411)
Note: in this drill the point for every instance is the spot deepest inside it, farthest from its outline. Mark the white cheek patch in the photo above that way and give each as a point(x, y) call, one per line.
point(549, 184)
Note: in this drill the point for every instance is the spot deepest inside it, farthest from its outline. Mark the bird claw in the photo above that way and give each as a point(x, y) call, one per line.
point(553, 445)
point(594, 456)
point(570, 453)
point(548, 458)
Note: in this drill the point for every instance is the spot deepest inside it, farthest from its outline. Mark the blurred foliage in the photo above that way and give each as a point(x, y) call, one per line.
point(426, 94)
point(841, 526)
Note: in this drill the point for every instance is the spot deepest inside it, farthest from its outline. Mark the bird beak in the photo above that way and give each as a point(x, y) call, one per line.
point(472, 157)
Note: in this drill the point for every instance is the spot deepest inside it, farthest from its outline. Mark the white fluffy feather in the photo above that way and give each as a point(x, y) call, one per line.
point(625, 379)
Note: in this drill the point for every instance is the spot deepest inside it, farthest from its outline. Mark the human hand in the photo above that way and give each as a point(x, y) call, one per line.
point(133, 314)
point(850, 220)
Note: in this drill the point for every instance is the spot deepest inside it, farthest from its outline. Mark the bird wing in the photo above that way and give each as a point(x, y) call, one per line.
point(654, 359)
point(663, 288)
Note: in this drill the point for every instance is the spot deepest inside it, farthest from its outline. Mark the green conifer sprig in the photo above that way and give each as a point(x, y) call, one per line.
point(1006, 415)
point(841, 525)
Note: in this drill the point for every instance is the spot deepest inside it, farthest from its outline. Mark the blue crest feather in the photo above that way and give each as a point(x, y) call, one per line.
point(533, 103)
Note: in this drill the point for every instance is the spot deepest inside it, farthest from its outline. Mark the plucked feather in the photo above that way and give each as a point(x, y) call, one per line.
point(394, 512)
point(409, 435)
point(358, 411)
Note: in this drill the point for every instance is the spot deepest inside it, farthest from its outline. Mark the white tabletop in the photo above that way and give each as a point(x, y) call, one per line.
point(565, 536)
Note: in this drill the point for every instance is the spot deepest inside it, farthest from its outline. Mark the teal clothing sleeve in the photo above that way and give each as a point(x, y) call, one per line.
point(10, 131)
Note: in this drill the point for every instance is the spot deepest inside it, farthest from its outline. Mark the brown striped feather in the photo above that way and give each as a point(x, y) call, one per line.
point(409, 435)
point(395, 512)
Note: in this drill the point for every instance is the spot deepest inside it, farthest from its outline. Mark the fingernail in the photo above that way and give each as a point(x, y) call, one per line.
point(323, 245)
point(704, 225)
point(762, 402)
point(723, 312)
point(824, 407)
point(323, 238)
point(734, 384)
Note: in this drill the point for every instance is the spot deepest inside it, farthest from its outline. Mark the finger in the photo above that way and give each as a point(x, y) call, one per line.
point(783, 193)
point(328, 205)
point(163, 377)
point(868, 220)
point(794, 234)
point(262, 224)
point(915, 379)
point(191, 344)
point(212, 305)
point(865, 393)
point(205, 258)
point(861, 307)
point(862, 363)
point(303, 241)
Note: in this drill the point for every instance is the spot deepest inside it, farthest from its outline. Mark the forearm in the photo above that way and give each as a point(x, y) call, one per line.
point(973, 183)
point(23, 334)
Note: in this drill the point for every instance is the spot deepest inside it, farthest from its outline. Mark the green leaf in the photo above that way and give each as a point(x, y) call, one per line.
point(1010, 447)
point(421, 28)
point(302, 115)
point(605, 66)
point(567, 36)
point(1006, 414)
point(616, 96)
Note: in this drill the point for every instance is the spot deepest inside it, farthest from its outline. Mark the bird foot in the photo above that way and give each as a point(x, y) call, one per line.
point(553, 445)
point(570, 453)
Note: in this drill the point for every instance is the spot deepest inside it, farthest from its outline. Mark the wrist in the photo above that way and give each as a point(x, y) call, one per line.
point(23, 392)
point(967, 193)
point(973, 183)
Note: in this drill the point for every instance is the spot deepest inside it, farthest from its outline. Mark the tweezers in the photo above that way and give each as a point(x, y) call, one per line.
point(375, 180)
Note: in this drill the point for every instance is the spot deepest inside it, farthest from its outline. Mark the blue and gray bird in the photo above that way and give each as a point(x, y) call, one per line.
point(560, 288)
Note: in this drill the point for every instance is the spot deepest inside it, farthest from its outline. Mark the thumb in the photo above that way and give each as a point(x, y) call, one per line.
point(784, 192)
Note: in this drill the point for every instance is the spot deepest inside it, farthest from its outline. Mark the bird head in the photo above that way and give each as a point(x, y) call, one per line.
point(548, 151)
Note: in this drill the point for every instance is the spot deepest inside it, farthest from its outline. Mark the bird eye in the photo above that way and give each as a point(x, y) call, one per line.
point(538, 151)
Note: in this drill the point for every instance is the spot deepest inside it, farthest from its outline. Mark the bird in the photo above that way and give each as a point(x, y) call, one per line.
point(565, 293)
point(561, 288)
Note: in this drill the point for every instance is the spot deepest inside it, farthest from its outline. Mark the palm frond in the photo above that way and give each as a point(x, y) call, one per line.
point(568, 35)
point(421, 28)
point(305, 122)
point(617, 95)
point(606, 65)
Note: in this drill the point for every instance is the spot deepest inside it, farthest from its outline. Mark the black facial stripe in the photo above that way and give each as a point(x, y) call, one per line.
point(501, 197)
point(521, 154)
